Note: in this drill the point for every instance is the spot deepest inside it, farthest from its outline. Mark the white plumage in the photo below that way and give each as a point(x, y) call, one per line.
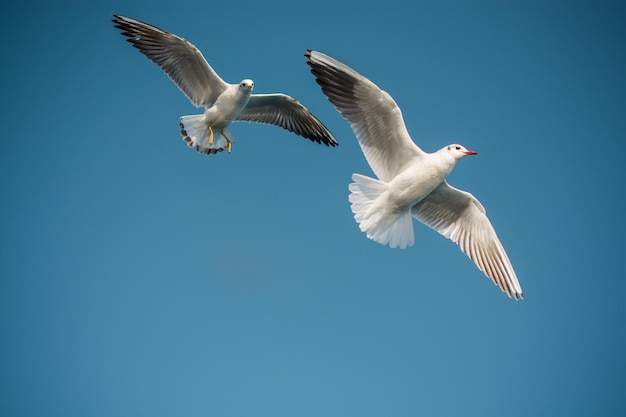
point(411, 182)
point(224, 103)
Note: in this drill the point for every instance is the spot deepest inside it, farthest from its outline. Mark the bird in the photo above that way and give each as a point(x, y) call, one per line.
point(410, 182)
point(224, 103)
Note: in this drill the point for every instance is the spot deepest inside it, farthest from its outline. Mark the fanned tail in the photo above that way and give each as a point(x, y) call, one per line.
point(196, 133)
point(368, 200)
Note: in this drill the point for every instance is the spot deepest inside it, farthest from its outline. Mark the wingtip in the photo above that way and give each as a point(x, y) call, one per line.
point(309, 56)
point(518, 296)
point(325, 138)
point(118, 18)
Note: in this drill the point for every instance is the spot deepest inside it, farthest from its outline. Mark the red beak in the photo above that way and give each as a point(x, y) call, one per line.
point(471, 153)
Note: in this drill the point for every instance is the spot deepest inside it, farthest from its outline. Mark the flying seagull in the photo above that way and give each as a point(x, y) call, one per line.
point(224, 103)
point(410, 181)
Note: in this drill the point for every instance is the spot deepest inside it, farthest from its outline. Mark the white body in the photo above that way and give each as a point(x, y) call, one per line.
point(383, 210)
point(197, 129)
point(411, 183)
point(228, 105)
point(404, 191)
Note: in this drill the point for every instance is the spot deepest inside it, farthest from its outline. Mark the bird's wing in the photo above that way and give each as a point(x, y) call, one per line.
point(460, 217)
point(286, 112)
point(373, 115)
point(179, 58)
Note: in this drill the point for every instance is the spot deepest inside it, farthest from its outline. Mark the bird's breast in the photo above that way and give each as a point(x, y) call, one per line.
point(226, 108)
point(414, 184)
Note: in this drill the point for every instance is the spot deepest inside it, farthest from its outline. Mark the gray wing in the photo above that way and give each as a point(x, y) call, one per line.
point(180, 60)
point(460, 217)
point(373, 115)
point(286, 112)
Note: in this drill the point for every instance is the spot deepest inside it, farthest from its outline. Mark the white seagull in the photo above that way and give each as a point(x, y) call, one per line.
point(410, 181)
point(224, 103)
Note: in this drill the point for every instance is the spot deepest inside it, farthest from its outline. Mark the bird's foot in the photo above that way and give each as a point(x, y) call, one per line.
point(229, 143)
point(210, 134)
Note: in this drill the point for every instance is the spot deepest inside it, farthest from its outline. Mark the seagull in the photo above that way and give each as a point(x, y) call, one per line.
point(411, 182)
point(224, 103)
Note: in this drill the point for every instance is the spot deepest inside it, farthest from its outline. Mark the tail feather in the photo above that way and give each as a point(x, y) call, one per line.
point(368, 201)
point(196, 133)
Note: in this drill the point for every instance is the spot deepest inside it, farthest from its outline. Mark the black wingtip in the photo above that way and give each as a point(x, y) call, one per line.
point(118, 18)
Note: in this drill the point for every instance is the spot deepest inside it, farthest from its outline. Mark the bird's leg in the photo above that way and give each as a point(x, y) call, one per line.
point(229, 144)
point(210, 134)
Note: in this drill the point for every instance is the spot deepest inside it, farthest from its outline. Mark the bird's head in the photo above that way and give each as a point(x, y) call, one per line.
point(246, 85)
point(458, 151)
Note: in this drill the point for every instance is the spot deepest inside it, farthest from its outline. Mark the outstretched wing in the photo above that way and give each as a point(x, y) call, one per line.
point(373, 115)
point(286, 112)
point(179, 58)
point(460, 217)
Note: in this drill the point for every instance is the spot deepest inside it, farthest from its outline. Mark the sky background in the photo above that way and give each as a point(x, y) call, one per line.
point(140, 278)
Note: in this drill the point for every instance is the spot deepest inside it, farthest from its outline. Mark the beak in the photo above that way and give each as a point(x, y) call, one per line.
point(471, 153)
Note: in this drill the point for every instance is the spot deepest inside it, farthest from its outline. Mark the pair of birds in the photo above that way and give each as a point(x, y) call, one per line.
point(411, 183)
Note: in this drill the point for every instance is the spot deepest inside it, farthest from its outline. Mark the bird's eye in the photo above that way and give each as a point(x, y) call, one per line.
point(458, 148)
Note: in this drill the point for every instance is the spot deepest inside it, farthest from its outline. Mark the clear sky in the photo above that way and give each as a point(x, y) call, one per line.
point(139, 278)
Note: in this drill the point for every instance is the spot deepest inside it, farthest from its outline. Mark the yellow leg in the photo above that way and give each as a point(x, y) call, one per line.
point(229, 143)
point(210, 134)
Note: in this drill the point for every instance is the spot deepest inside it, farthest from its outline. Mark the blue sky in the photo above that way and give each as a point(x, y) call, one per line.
point(139, 278)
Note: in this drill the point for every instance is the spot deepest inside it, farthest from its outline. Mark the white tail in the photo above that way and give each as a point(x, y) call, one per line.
point(368, 198)
point(196, 133)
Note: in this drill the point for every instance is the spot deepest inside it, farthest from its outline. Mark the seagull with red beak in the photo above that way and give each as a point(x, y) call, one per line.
point(411, 183)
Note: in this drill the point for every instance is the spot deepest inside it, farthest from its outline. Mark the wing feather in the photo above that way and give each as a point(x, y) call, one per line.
point(460, 217)
point(286, 112)
point(179, 58)
point(373, 115)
